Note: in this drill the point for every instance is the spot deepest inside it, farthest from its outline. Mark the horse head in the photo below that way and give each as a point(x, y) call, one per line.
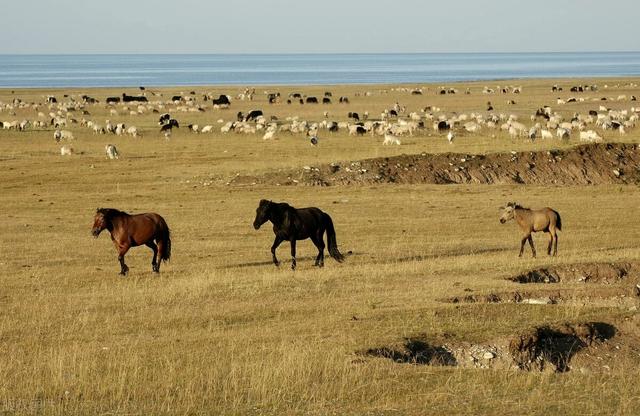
point(262, 213)
point(508, 212)
point(99, 222)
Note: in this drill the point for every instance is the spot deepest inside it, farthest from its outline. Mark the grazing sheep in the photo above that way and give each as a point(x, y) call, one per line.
point(356, 130)
point(451, 136)
point(62, 135)
point(227, 127)
point(390, 139)
point(563, 133)
point(546, 134)
point(590, 136)
point(269, 135)
point(132, 131)
point(120, 129)
point(207, 129)
point(112, 152)
point(66, 150)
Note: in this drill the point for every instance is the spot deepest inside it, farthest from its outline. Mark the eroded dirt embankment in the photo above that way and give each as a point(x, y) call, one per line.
point(593, 164)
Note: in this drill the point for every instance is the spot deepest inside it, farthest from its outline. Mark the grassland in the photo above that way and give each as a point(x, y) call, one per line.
point(222, 331)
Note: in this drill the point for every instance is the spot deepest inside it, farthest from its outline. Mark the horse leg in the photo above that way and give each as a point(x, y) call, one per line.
point(122, 250)
point(555, 246)
point(522, 242)
point(293, 254)
point(319, 243)
point(533, 249)
point(275, 245)
point(550, 243)
point(155, 265)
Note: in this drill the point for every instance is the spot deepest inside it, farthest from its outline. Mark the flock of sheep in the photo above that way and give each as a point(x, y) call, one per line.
point(393, 123)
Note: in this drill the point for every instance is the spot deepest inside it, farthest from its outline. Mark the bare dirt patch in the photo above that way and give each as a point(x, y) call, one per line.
point(605, 163)
point(415, 351)
point(545, 348)
point(619, 297)
point(555, 347)
point(603, 273)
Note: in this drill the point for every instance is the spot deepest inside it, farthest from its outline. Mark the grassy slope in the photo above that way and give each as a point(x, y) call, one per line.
point(221, 329)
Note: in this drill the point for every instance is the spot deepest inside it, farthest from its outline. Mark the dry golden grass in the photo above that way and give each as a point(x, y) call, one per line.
point(221, 330)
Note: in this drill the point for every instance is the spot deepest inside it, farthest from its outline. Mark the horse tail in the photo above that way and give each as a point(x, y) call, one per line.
point(331, 238)
point(559, 221)
point(165, 238)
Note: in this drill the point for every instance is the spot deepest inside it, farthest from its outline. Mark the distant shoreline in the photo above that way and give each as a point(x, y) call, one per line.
point(434, 85)
point(185, 70)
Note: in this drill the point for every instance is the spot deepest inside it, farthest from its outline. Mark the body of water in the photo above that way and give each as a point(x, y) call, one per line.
point(166, 70)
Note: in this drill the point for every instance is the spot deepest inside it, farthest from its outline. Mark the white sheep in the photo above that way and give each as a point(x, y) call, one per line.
point(66, 150)
point(269, 135)
point(391, 139)
point(546, 134)
point(563, 133)
point(451, 136)
point(132, 131)
point(120, 129)
point(62, 134)
point(590, 136)
point(112, 152)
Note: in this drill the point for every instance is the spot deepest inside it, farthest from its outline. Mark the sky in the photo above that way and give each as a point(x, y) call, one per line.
point(321, 26)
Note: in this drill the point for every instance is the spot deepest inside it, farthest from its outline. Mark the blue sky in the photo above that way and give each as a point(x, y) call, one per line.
point(301, 26)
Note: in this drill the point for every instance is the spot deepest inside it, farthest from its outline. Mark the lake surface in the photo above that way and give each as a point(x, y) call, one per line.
point(166, 70)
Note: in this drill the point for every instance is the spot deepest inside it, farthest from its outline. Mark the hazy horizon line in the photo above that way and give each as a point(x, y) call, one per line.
point(315, 53)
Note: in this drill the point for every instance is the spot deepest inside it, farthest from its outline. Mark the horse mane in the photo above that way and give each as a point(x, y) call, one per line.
point(110, 213)
point(515, 205)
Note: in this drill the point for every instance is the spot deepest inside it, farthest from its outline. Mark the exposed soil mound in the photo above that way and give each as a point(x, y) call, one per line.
point(611, 296)
point(542, 348)
point(607, 273)
point(556, 346)
point(415, 351)
point(611, 163)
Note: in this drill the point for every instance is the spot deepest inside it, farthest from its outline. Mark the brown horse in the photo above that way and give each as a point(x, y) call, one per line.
point(534, 220)
point(134, 230)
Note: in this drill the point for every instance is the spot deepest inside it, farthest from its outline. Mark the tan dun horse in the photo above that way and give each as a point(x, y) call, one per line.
point(534, 220)
point(134, 230)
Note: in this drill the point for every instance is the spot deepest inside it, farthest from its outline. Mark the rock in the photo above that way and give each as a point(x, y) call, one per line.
point(539, 301)
point(488, 355)
point(617, 173)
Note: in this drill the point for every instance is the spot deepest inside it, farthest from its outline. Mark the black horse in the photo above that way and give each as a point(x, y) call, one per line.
point(292, 224)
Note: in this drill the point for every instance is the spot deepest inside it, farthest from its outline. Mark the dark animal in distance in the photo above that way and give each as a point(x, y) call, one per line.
point(129, 231)
point(293, 224)
point(169, 125)
point(133, 98)
point(531, 221)
point(221, 100)
point(252, 115)
point(311, 100)
point(443, 125)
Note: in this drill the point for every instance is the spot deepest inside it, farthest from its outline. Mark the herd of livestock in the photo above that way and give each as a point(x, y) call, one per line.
point(392, 123)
